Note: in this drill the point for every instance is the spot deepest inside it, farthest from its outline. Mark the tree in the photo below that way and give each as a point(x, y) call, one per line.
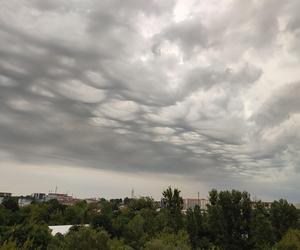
point(229, 215)
point(73, 216)
point(102, 221)
point(56, 243)
point(31, 236)
point(262, 233)
point(10, 203)
point(151, 225)
point(197, 231)
point(9, 245)
point(290, 241)
point(134, 232)
point(116, 244)
point(102, 218)
point(169, 241)
point(5, 216)
point(173, 205)
point(144, 202)
point(283, 217)
point(87, 239)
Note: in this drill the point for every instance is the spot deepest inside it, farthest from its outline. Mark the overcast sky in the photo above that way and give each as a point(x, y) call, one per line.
point(98, 97)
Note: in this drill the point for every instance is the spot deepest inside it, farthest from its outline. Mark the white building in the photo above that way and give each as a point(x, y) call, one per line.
point(62, 229)
point(24, 201)
point(192, 202)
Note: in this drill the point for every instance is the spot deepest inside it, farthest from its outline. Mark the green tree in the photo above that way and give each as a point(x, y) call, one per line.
point(102, 221)
point(120, 221)
point(290, 241)
point(116, 244)
point(6, 216)
point(169, 241)
point(86, 238)
point(196, 228)
point(144, 202)
point(262, 233)
point(134, 232)
point(9, 245)
point(283, 217)
point(74, 214)
point(174, 205)
point(151, 225)
point(229, 215)
point(57, 242)
point(11, 204)
point(31, 236)
point(102, 217)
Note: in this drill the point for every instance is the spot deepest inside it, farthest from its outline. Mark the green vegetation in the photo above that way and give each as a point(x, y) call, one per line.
point(231, 222)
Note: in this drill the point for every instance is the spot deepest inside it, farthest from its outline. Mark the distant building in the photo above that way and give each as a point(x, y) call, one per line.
point(39, 197)
point(162, 203)
point(5, 194)
point(266, 204)
point(91, 200)
point(189, 203)
point(61, 198)
point(25, 201)
point(192, 202)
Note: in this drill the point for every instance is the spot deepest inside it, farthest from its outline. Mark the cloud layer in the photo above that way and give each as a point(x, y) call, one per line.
point(207, 90)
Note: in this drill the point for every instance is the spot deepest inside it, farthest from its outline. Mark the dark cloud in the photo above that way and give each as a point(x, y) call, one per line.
point(127, 87)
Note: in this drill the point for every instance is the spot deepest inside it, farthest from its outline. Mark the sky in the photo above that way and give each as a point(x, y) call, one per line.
point(99, 97)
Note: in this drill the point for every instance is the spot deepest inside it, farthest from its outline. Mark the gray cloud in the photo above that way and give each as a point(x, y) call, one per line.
point(283, 104)
point(127, 87)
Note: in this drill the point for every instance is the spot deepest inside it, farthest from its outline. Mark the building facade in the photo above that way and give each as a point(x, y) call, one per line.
point(61, 198)
point(192, 202)
point(5, 194)
point(39, 197)
point(25, 201)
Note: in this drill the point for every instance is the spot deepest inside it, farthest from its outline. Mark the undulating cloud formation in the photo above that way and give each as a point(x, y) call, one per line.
point(208, 91)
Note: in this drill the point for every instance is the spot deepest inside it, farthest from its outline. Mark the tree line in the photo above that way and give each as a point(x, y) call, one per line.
point(231, 222)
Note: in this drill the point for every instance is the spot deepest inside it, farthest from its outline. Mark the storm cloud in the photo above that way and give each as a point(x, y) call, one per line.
point(207, 91)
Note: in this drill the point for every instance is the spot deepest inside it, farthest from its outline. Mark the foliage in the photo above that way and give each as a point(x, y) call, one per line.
point(9, 245)
point(197, 228)
point(169, 241)
point(283, 217)
point(229, 215)
point(232, 221)
point(262, 232)
point(173, 205)
point(116, 244)
point(290, 241)
point(135, 232)
point(31, 235)
point(11, 204)
point(86, 238)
